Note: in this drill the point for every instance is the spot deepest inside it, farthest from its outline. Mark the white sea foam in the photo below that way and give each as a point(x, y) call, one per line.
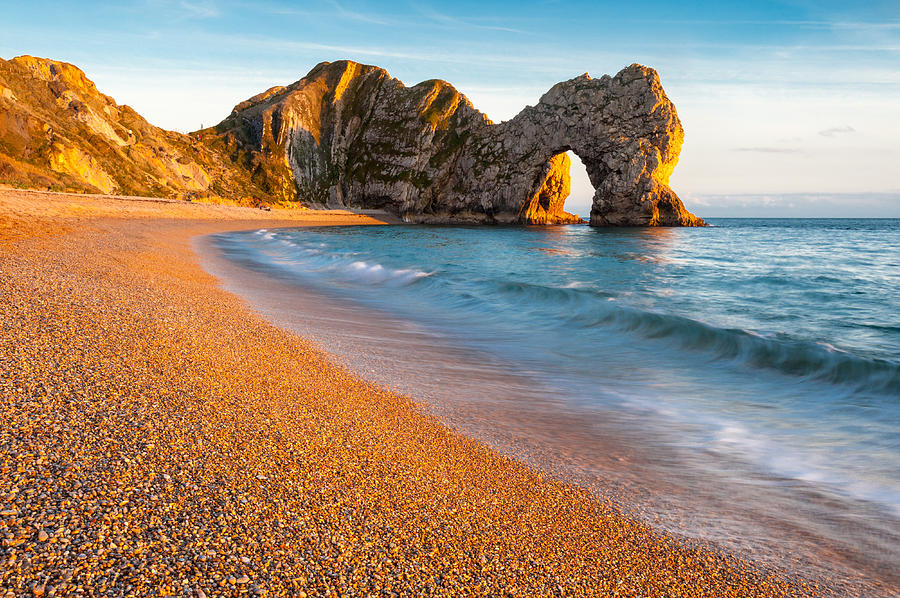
point(796, 463)
point(374, 273)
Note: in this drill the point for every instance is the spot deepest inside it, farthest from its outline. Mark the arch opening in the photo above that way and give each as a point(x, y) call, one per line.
point(581, 196)
point(551, 190)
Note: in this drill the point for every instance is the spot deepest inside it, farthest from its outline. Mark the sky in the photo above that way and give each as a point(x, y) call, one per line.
point(790, 108)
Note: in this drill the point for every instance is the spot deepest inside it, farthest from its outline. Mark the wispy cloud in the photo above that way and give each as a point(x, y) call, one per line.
point(788, 23)
point(332, 8)
point(769, 150)
point(835, 131)
point(203, 9)
point(455, 22)
point(889, 25)
point(364, 51)
point(354, 15)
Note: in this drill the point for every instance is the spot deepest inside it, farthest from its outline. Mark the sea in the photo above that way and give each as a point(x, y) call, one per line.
point(736, 385)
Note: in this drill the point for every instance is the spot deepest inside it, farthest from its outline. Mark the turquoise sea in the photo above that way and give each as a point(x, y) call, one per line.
point(738, 383)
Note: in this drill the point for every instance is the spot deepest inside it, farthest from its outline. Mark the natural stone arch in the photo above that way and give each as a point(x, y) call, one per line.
point(623, 128)
point(349, 135)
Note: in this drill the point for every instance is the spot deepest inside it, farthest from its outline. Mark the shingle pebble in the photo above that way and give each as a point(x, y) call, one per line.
point(171, 442)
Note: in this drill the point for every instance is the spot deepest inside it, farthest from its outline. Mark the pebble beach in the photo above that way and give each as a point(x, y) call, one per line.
point(159, 438)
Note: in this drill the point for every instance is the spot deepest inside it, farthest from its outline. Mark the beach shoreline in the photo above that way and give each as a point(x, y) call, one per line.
point(623, 457)
point(161, 438)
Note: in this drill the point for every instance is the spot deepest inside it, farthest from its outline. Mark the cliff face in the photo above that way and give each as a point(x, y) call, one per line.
point(349, 135)
point(57, 130)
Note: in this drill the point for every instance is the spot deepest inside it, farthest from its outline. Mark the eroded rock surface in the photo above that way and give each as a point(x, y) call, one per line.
point(350, 135)
point(58, 131)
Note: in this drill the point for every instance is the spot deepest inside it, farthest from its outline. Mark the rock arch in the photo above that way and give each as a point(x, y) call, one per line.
point(623, 128)
point(349, 135)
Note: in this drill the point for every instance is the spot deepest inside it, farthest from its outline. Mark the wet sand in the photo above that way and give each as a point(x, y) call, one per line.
point(157, 438)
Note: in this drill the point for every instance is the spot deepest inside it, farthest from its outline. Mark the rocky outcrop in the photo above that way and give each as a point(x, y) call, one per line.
point(623, 128)
point(58, 131)
point(349, 135)
point(546, 207)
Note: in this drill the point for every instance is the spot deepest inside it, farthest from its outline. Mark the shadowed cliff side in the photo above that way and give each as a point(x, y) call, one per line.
point(350, 135)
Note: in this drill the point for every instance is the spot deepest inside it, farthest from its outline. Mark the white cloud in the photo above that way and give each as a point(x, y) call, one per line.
point(769, 150)
point(202, 9)
point(834, 131)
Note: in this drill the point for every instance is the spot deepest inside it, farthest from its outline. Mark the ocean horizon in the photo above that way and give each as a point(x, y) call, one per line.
point(767, 206)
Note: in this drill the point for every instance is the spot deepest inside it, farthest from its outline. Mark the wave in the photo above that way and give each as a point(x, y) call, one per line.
point(373, 273)
point(576, 306)
point(814, 467)
point(314, 259)
point(816, 361)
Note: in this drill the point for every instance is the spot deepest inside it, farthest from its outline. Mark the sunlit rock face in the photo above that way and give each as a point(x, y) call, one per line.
point(58, 131)
point(349, 135)
point(546, 207)
point(624, 129)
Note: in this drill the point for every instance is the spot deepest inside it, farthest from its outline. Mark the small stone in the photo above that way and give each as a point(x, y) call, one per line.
point(245, 560)
point(43, 537)
point(201, 593)
point(243, 579)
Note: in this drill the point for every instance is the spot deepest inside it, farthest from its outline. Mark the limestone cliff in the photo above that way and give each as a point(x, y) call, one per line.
point(349, 135)
point(58, 131)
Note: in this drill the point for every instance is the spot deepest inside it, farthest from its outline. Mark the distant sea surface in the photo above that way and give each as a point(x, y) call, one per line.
point(738, 383)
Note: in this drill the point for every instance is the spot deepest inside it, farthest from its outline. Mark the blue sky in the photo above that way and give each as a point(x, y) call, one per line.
point(790, 108)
